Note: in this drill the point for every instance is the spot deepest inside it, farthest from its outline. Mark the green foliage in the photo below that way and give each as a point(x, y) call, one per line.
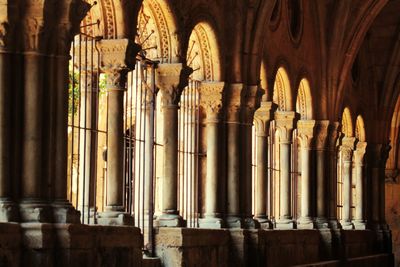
point(73, 93)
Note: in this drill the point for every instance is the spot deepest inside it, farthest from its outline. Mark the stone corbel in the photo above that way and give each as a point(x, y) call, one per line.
point(211, 98)
point(262, 118)
point(284, 123)
point(171, 79)
point(305, 132)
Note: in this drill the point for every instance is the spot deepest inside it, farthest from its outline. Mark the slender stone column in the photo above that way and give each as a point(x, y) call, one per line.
point(346, 150)
point(233, 219)
point(8, 208)
point(305, 134)
point(262, 118)
point(116, 61)
point(322, 174)
point(70, 15)
point(284, 121)
point(211, 101)
point(169, 82)
point(358, 157)
point(251, 101)
point(333, 135)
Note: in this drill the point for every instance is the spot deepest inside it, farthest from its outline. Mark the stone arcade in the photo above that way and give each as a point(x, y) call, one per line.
point(199, 133)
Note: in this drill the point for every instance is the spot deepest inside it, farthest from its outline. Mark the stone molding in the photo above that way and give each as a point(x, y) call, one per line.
point(263, 116)
point(347, 147)
point(284, 123)
point(305, 132)
point(321, 134)
point(211, 97)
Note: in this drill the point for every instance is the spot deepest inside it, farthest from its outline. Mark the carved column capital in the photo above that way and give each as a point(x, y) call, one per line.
point(116, 60)
point(321, 134)
point(359, 152)
point(33, 25)
point(284, 123)
point(8, 20)
point(347, 147)
point(263, 116)
point(233, 97)
point(333, 135)
point(171, 79)
point(211, 98)
point(251, 101)
point(305, 132)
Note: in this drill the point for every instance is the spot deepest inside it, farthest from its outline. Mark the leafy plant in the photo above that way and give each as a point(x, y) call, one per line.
point(73, 93)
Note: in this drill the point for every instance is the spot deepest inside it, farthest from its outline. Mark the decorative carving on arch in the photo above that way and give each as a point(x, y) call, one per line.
point(304, 100)
point(109, 18)
point(347, 126)
point(360, 129)
point(282, 92)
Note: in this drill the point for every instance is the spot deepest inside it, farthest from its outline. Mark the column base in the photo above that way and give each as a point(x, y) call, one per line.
point(347, 225)
point(250, 223)
point(35, 211)
point(114, 218)
point(305, 223)
point(170, 220)
point(234, 222)
point(334, 224)
point(38, 241)
point(359, 225)
point(285, 224)
point(64, 212)
point(8, 211)
point(321, 223)
point(211, 223)
point(264, 222)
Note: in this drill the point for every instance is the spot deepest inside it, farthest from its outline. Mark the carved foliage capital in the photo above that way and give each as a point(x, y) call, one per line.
point(321, 134)
point(116, 54)
point(211, 97)
point(347, 147)
point(170, 80)
point(284, 122)
point(305, 132)
point(262, 118)
point(8, 20)
point(359, 152)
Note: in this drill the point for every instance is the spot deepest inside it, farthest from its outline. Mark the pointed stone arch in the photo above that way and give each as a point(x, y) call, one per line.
point(282, 95)
point(203, 54)
point(347, 123)
point(304, 104)
point(360, 129)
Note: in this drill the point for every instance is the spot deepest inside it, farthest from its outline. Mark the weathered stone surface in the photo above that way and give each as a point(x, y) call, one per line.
point(192, 247)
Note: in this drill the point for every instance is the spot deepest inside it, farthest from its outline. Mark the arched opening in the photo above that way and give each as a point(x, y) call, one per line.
point(304, 100)
point(360, 129)
point(282, 93)
point(347, 124)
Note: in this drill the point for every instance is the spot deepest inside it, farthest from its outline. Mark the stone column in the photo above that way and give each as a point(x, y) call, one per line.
point(8, 208)
point(284, 122)
point(305, 135)
point(358, 157)
point(33, 205)
point(262, 118)
point(233, 218)
point(322, 177)
point(251, 101)
point(87, 155)
point(333, 135)
point(170, 84)
point(211, 101)
point(117, 59)
point(346, 150)
point(69, 25)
